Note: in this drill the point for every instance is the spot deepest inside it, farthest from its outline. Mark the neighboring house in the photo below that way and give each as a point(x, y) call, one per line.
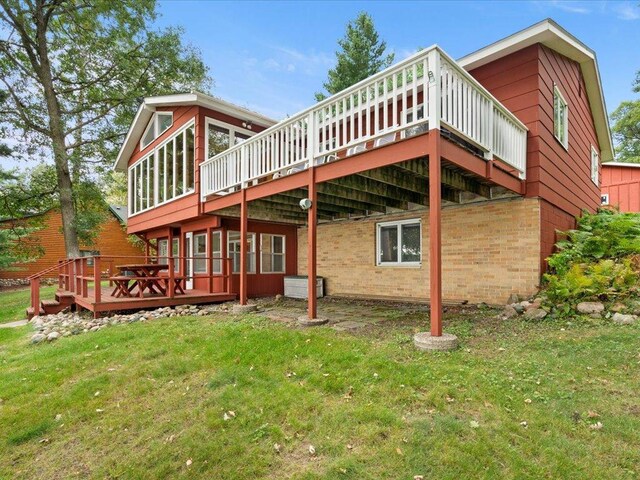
point(621, 186)
point(111, 240)
point(504, 144)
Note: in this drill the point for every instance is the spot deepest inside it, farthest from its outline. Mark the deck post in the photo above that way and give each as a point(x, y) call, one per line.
point(312, 215)
point(97, 280)
point(243, 248)
point(85, 274)
point(435, 234)
point(35, 295)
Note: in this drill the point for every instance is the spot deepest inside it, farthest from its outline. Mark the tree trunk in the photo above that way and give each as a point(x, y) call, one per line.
point(60, 156)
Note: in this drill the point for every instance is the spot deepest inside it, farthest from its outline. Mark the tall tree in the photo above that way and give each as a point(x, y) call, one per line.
point(74, 72)
point(361, 54)
point(626, 128)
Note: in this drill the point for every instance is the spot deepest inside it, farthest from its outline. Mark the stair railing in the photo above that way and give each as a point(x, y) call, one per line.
point(34, 282)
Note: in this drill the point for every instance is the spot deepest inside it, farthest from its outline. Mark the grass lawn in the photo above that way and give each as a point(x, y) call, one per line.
point(13, 303)
point(211, 397)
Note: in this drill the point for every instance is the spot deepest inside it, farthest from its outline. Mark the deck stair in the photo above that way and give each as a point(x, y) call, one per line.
point(62, 300)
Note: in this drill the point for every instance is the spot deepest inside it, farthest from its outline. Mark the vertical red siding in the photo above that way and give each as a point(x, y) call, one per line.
point(622, 184)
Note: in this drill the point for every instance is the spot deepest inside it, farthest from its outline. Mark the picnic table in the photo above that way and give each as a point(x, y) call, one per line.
point(144, 276)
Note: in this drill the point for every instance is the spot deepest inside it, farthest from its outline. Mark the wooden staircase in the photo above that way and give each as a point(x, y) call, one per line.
point(63, 299)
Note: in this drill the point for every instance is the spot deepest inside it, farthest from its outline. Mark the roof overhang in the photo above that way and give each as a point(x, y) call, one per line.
point(553, 36)
point(150, 104)
point(621, 164)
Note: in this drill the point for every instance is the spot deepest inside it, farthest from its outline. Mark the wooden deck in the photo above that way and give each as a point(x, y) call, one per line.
point(110, 303)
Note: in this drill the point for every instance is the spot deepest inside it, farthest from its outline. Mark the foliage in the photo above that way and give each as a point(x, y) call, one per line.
point(626, 127)
point(361, 55)
point(74, 73)
point(598, 259)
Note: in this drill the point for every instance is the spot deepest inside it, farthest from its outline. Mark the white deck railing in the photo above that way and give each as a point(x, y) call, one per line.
point(403, 100)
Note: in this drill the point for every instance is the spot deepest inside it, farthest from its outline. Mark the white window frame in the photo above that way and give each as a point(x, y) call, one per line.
point(155, 152)
point(216, 255)
point(564, 142)
point(595, 166)
point(399, 224)
point(230, 253)
point(176, 261)
point(232, 133)
point(163, 258)
point(604, 199)
point(283, 254)
point(197, 256)
point(153, 123)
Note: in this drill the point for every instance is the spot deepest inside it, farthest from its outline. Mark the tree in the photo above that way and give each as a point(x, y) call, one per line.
point(361, 54)
point(74, 72)
point(626, 128)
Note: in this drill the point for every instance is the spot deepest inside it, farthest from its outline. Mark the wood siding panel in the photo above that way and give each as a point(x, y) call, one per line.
point(622, 184)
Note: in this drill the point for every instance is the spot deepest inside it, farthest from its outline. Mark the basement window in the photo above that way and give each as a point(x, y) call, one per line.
point(399, 243)
point(272, 259)
point(233, 247)
point(560, 118)
point(604, 199)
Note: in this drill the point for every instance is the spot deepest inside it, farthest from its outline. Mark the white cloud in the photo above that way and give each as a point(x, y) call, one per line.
point(571, 7)
point(627, 11)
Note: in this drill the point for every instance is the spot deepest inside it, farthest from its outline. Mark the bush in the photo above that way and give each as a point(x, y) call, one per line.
point(598, 259)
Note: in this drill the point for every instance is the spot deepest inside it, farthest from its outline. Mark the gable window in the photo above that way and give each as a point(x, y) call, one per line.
point(399, 243)
point(560, 118)
point(233, 247)
point(272, 258)
point(200, 253)
point(595, 164)
point(160, 122)
point(221, 136)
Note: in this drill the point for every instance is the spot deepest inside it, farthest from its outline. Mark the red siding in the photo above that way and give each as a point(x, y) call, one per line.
point(622, 184)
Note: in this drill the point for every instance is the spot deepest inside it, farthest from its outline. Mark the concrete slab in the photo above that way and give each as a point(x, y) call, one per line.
point(348, 325)
point(18, 323)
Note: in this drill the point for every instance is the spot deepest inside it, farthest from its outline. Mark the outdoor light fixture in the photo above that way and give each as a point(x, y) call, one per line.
point(432, 77)
point(247, 124)
point(305, 204)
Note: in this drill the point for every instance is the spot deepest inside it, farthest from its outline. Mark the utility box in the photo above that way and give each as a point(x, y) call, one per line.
point(295, 286)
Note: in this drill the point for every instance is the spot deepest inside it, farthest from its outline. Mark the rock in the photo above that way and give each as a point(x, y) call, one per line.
point(537, 303)
point(622, 319)
point(518, 307)
point(278, 298)
point(38, 337)
point(535, 314)
point(53, 336)
point(618, 307)
point(590, 307)
point(513, 298)
point(509, 312)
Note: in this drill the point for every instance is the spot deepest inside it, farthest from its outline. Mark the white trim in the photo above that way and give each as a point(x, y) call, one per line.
point(604, 199)
point(153, 123)
point(206, 250)
point(620, 164)
point(399, 224)
point(215, 271)
point(565, 142)
point(553, 36)
point(595, 166)
point(229, 253)
point(227, 126)
point(188, 263)
point(283, 254)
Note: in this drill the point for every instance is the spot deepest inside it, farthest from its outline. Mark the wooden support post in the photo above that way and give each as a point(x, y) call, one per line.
point(243, 248)
point(146, 250)
point(435, 234)
point(35, 295)
point(85, 275)
point(229, 270)
point(312, 310)
point(97, 280)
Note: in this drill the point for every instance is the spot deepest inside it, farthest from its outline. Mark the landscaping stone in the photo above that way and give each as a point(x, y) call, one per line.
point(305, 321)
point(535, 314)
point(618, 307)
point(239, 309)
point(624, 319)
point(53, 336)
point(509, 312)
point(348, 325)
point(38, 337)
point(513, 298)
point(518, 307)
point(424, 341)
point(590, 307)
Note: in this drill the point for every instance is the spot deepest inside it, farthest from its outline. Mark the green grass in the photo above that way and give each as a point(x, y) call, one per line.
point(140, 400)
point(13, 303)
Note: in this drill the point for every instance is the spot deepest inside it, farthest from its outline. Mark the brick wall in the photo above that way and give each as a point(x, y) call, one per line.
point(490, 250)
point(111, 240)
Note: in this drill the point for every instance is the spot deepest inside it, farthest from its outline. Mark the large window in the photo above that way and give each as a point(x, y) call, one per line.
point(165, 174)
point(175, 252)
point(233, 247)
point(399, 243)
point(560, 118)
point(272, 257)
point(216, 252)
point(163, 251)
point(595, 164)
point(159, 123)
point(221, 136)
point(200, 253)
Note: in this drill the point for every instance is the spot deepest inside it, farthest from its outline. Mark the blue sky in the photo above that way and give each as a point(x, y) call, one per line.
point(272, 56)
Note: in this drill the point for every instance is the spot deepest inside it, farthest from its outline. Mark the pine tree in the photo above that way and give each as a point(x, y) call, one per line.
point(361, 55)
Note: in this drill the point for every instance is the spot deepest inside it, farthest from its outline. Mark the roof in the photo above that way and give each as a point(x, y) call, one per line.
point(553, 36)
point(149, 105)
point(621, 164)
point(120, 212)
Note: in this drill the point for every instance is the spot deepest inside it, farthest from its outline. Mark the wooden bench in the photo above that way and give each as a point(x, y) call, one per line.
point(161, 284)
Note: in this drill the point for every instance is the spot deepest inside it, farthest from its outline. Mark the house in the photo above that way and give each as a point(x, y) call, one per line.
point(112, 238)
point(621, 186)
point(433, 180)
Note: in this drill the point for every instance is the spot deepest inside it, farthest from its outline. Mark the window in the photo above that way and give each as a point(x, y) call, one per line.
point(166, 173)
point(272, 258)
point(175, 252)
point(221, 136)
point(595, 165)
point(604, 199)
point(200, 253)
point(216, 252)
point(163, 251)
point(399, 243)
point(90, 254)
point(160, 122)
point(560, 118)
point(233, 247)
